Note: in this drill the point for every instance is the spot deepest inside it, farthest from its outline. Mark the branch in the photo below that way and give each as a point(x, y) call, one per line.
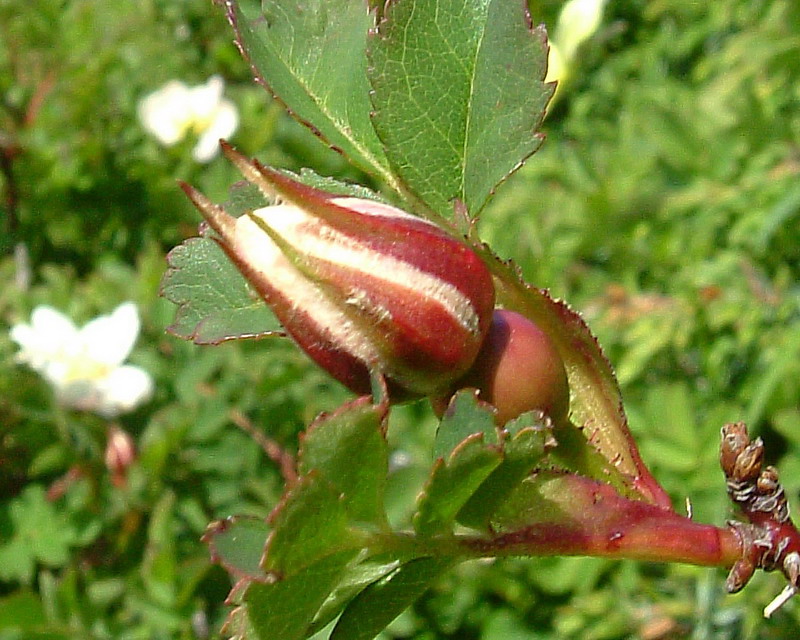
point(771, 540)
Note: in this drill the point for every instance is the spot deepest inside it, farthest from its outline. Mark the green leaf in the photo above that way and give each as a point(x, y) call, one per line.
point(349, 450)
point(286, 608)
point(380, 603)
point(464, 416)
point(39, 534)
point(237, 544)
point(21, 610)
point(311, 56)
point(452, 483)
point(215, 303)
point(310, 523)
point(355, 579)
point(334, 186)
point(526, 443)
point(458, 95)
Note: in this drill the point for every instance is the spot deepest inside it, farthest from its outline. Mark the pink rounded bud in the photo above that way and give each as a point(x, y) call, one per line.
point(518, 369)
point(120, 454)
point(360, 285)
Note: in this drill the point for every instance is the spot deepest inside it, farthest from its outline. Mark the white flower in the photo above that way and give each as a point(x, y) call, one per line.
point(84, 366)
point(175, 110)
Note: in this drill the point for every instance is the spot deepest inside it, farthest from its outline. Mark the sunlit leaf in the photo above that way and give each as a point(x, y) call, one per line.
point(286, 608)
point(524, 446)
point(348, 449)
point(452, 483)
point(464, 416)
point(458, 95)
point(310, 523)
point(311, 56)
point(385, 599)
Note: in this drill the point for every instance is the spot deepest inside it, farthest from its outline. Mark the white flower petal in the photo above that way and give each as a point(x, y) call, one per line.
point(48, 336)
point(167, 113)
point(109, 339)
point(204, 100)
point(80, 394)
point(123, 390)
point(224, 124)
point(83, 366)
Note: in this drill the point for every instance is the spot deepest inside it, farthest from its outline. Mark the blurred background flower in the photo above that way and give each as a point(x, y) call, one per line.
point(177, 110)
point(84, 366)
point(577, 22)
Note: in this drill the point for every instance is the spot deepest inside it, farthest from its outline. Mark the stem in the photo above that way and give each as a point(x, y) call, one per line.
point(274, 451)
point(566, 514)
point(659, 537)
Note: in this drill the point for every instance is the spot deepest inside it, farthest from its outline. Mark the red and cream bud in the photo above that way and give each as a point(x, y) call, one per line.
point(360, 285)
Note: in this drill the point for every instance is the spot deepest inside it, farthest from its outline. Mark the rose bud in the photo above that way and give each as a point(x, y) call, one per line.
point(120, 454)
point(361, 286)
point(518, 369)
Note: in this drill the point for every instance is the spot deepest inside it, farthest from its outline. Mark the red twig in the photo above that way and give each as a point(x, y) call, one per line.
point(771, 540)
point(274, 451)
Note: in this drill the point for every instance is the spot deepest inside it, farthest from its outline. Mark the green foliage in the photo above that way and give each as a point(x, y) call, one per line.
point(663, 206)
point(311, 55)
point(215, 302)
point(458, 95)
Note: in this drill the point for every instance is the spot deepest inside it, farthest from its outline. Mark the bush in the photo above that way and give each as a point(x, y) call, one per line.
point(664, 205)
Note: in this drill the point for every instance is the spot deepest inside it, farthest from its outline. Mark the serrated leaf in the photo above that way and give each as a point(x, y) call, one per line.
point(380, 603)
point(527, 442)
point(311, 56)
point(458, 95)
point(237, 544)
point(215, 303)
point(465, 415)
point(38, 533)
point(286, 608)
point(244, 196)
point(310, 523)
point(355, 579)
point(334, 186)
point(348, 449)
point(452, 483)
point(595, 398)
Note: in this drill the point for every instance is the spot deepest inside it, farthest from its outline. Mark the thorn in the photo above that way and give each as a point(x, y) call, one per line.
point(789, 591)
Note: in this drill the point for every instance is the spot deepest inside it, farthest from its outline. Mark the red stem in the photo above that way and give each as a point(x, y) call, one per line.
point(572, 515)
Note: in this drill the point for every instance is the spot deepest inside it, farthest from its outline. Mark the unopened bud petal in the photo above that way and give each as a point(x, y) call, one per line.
point(360, 285)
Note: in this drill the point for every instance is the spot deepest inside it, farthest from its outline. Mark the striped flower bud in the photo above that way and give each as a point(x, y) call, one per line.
point(360, 285)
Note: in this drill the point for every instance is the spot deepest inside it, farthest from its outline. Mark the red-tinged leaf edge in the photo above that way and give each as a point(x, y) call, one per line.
point(222, 527)
point(232, 15)
point(184, 307)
